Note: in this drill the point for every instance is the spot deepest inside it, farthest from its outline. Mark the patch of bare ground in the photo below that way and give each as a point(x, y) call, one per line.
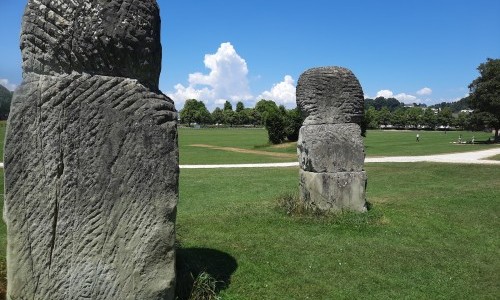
point(247, 151)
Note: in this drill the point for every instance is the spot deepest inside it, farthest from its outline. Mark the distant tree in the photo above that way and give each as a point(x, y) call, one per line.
point(485, 93)
point(195, 111)
point(384, 116)
point(398, 118)
point(218, 116)
point(240, 106)
point(429, 118)
point(414, 116)
point(254, 116)
point(228, 106)
point(445, 117)
point(265, 107)
point(378, 103)
point(371, 118)
point(229, 117)
point(462, 121)
point(5, 100)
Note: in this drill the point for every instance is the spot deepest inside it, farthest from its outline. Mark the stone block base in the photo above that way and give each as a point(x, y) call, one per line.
point(334, 191)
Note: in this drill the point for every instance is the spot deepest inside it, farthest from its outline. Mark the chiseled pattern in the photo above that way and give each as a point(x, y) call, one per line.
point(330, 95)
point(114, 38)
point(330, 147)
point(91, 166)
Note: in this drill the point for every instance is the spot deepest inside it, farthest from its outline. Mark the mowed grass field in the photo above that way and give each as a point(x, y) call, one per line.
point(377, 143)
point(432, 232)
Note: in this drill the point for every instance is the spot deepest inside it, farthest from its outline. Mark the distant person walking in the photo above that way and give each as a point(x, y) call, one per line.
point(418, 137)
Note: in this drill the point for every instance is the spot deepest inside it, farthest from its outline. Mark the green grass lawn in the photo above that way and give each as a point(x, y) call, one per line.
point(377, 143)
point(403, 143)
point(432, 234)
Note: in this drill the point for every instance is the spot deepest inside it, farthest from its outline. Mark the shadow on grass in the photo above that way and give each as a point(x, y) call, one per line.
point(191, 262)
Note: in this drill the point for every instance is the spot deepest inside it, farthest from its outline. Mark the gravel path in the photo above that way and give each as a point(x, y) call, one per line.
point(477, 157)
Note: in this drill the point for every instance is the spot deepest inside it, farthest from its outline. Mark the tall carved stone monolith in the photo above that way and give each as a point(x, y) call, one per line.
point(330, 146)
point(91, 156)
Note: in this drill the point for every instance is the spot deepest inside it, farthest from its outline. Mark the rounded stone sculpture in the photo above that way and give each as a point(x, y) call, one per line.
point(330, 95)
point(330, 147)
point(115, 38)
point(91, 156)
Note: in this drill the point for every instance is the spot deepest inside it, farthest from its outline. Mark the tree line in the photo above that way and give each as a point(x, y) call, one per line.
point(478, 111)
point(281, 124)
point(5, 99)
point(419, 117)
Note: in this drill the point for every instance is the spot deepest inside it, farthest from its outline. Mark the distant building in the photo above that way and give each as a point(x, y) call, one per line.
point(467, 111)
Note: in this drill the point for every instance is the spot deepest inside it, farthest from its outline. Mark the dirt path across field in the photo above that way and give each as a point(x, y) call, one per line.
point(247, 151)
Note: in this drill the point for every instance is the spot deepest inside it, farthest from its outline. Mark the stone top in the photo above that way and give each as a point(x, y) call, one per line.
point(113, 38)
point(330, 95)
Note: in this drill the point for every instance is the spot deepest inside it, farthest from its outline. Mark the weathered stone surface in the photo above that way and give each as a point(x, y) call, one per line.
point(115, 38)
point(334, 191)
point(331, 148)
point(91, 161)
point(330, 95)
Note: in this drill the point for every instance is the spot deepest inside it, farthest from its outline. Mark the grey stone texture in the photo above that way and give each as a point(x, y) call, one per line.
point(115, 38)
point(334, 191)
point(330, 147)
point(330, 95)
point(91, 156)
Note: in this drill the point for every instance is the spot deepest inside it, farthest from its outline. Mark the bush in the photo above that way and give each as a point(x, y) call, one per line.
point(293, 122)
point(275, 126)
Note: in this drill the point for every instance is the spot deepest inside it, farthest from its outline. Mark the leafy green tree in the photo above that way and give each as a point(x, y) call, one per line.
point(264, 107)
point(485, 93)
point(254, 116)
point(414, 116)
point(384, 116)
point(240, 107)
point(429, 118)
point(217, 116)
point(229, 117)
point(445, 117)
point(398, 118)
point(371, 118)
point(195, 111)
point(5, 100)
point(228, 106)
point(462, 121)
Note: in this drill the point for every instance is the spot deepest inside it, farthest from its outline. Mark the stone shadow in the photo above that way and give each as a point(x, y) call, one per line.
point(193, 261)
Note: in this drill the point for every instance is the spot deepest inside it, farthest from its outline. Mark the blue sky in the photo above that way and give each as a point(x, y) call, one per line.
point(418, 51)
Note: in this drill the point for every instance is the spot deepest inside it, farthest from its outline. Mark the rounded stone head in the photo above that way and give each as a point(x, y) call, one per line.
point(99, 37)
point(330, 95)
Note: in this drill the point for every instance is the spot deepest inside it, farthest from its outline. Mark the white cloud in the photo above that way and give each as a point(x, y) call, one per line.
point(10, 86)
point(408, 99)
point(385, 94)
point(281, 93)
point(227, 80)
point(424, 92)
point(403, 97)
